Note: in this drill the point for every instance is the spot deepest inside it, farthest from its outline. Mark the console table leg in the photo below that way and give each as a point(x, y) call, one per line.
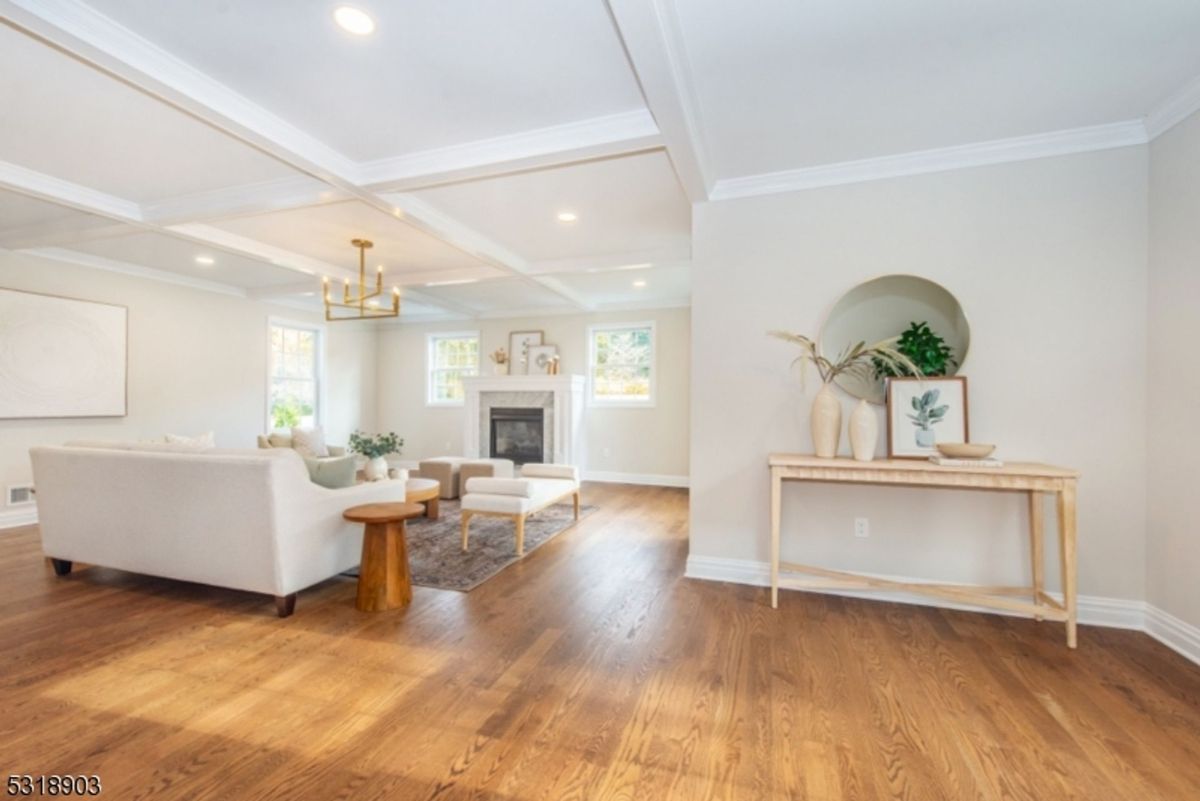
point(1066, 539)
point(776, 492)
point(1037, 548)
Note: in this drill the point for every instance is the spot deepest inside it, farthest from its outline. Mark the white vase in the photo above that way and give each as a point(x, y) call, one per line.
point(376, 469)
point(863, 430)
point(826, 422)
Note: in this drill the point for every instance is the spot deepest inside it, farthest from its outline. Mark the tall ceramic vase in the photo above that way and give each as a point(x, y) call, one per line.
point(826, 422)
point(863, 430)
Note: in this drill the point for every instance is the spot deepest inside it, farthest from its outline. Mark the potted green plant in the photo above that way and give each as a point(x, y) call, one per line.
point(826, 416)
point(376, 448)
point(928, 414)
point(925, 348)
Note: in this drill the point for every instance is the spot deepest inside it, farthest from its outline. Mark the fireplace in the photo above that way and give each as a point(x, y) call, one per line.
point(518, 434)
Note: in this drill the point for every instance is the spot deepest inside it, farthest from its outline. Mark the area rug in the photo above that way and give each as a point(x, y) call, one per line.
point(435, 555)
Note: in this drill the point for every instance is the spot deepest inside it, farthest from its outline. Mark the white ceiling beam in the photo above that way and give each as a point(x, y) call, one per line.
point(62, 232)
point(126, 268)
point(654, 44)
point(612, 262)
point(274, 293)
point(470, 241)
point(585, 140)
point(297, 191)
point(38, 185)
point(79, 30)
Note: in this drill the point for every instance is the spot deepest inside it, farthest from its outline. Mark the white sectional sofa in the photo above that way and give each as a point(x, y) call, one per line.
point(539, 486)
point(244, 519)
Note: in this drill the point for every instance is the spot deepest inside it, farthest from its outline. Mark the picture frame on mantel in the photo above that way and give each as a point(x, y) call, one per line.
point(519, 343)
point(922, 412)
point(541, 359)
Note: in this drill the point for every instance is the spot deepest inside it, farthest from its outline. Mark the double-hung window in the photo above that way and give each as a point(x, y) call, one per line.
point(451, 358)
point(621, 364)
point(294, 376)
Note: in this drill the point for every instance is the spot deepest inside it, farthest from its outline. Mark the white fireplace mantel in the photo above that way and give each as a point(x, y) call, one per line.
point(567, 440)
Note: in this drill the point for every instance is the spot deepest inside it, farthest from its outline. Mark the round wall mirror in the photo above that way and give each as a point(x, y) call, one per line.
point(885, 307)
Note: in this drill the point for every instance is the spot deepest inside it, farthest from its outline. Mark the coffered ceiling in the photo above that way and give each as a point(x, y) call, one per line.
point(526, 156)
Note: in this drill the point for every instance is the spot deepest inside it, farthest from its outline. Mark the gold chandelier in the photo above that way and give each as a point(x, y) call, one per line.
point(363, 304)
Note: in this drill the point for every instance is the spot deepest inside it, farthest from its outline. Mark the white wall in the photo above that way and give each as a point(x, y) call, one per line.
point(1048, 258)
point(197, 362)
point(638, 441)
point(1173, 534)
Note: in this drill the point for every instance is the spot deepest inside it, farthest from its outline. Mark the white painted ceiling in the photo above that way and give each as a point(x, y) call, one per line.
point(433, 74)
point(138, 134)
point(783, 85)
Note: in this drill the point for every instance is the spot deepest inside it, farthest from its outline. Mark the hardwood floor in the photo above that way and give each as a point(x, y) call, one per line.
point(592, 670)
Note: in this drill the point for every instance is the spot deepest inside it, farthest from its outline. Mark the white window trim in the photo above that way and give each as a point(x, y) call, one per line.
point(601, 403)
point(429, 340)
point(322, 393)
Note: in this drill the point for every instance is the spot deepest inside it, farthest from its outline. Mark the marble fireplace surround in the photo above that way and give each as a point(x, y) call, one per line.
point(561, 396)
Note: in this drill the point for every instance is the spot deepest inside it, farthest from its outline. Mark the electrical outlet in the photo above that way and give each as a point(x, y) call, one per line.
point(862, 528)
point(607, 452)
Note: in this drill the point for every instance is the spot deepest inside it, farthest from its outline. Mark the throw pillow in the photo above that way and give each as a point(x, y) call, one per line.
point(199, 442)
point(310, 442)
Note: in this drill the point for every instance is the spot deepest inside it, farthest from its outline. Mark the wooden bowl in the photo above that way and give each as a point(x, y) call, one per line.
point(965, 450)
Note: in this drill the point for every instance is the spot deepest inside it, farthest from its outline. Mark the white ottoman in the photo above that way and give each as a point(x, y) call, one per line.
point(484, 468)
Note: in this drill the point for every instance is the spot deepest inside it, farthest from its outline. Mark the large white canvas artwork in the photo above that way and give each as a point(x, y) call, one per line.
point(61, 357)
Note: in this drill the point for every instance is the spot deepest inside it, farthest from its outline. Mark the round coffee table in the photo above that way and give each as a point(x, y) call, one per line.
point(426, 491)
point(383, 578)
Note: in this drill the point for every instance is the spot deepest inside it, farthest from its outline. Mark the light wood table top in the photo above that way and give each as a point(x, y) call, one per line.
point(383, 512)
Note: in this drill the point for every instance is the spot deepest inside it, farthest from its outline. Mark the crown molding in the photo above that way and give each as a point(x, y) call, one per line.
point(999, 151)
point(1174, 110)
point(136, 270)
point(584, 140)
point(46, 187)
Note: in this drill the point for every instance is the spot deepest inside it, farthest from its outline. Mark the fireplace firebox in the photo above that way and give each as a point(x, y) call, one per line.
point(518, 434)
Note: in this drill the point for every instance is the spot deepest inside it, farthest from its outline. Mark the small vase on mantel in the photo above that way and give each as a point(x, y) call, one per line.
point(826, 422)
point(863, 431)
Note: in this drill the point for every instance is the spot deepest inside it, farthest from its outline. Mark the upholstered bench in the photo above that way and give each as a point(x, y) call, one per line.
point(445, 471)
point(539, 486)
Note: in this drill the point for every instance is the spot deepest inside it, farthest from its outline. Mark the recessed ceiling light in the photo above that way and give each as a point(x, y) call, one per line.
point(352, 20)
point(639, 283)
point(207, 261)
point(567, 216)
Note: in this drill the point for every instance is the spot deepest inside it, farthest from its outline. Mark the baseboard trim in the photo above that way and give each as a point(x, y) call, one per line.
point(18, 516)
point(1182, 638)
point(644, 479)
point(1121, 613)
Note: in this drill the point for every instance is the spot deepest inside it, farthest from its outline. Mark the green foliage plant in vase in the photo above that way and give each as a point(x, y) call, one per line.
point(376, 449)
point(927, 415)
point(825, 418)
point(924, 348)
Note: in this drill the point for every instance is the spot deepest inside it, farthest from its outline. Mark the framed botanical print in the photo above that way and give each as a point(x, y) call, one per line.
point(922, 412)
point(519, 343)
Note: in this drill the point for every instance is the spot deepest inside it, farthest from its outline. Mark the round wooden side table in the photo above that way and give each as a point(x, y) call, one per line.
point(426, 491)
point(383, 578)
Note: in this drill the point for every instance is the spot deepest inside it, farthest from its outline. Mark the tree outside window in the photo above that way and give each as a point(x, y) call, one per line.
point(622, 364)
point(294, 376)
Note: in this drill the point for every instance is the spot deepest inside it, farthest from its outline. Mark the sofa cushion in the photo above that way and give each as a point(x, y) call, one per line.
point(309, 442)
point(199, 442)
point(332, 472)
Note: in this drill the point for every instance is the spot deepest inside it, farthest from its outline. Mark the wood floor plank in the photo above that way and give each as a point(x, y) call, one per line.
point(591, 670)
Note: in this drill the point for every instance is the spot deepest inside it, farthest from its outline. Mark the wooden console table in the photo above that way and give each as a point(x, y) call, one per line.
point(1036, 480)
